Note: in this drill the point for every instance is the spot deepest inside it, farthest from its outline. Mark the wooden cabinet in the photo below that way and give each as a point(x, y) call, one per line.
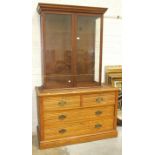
point(81, 117)
point(73, 106)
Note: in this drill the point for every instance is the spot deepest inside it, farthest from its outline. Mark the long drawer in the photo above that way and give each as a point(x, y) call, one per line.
point(51, 117)
point(98, 99)
point(60, 102)
point(80, 128)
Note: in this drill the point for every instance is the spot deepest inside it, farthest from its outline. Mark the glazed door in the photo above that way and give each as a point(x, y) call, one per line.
point(72, 51)
point(58, 50)
point(88, 50)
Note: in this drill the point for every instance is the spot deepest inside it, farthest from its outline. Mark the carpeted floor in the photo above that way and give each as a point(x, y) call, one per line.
point(111, 146)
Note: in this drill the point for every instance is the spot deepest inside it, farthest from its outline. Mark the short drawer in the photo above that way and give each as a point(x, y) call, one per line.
point(98, 99)
point(98, 125)
point(78, 114)
point(61, 116)
point(62, 130)
point(60, 102)
point(98, 112)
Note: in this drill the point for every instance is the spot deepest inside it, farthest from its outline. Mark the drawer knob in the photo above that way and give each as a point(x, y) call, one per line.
point(98, 112)
point(99, 99)
point(98, 126)
point(62, 103)
point(62, 131)
point(62, 117)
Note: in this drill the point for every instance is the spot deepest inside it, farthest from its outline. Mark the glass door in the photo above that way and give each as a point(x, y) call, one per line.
point(58, 50)
point(88, 50)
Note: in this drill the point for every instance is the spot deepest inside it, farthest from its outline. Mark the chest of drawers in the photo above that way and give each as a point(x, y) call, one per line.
point(78, 115)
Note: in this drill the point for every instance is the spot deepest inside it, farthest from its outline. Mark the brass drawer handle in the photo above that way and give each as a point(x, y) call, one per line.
point(62, 117)
point(98, 126)
point(62, 131)
point(62, 103)
point(99, 100)
point(98, 112)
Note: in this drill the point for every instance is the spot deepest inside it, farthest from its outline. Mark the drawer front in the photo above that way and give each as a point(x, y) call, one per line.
point(98, 99)
point(81, 128)
point(98, 112)
point(100, 125)
point(62, 130)
point(78, 114)
point(60, 102)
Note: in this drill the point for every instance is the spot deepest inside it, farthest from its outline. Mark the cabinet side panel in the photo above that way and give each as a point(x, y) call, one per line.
point(101, 42)
point(42, 31)
point(116, 105)
point(40, 117)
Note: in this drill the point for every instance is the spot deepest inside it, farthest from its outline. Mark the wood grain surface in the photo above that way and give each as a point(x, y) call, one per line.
point(69, 115)
point(61, 102)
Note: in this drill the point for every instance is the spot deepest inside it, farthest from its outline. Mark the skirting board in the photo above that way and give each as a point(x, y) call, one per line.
point(76, 139)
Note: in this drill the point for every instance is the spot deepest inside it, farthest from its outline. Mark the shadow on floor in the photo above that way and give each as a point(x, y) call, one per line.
point(111, 146)
point(52, 151)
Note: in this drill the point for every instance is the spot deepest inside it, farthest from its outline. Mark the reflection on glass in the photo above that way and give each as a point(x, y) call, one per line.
point(88, 50)
point(58, 50)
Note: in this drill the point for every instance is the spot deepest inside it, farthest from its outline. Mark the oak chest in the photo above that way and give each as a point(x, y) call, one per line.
point(76, 115)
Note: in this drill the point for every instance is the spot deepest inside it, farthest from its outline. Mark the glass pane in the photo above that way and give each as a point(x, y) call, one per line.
point(58, 50)
point(88, 50)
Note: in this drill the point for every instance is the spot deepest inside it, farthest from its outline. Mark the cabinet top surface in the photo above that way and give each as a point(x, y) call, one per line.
point(43, 7)
point(46, 92)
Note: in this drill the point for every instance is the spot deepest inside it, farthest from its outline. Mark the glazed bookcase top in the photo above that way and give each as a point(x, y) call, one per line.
point(71, 40)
